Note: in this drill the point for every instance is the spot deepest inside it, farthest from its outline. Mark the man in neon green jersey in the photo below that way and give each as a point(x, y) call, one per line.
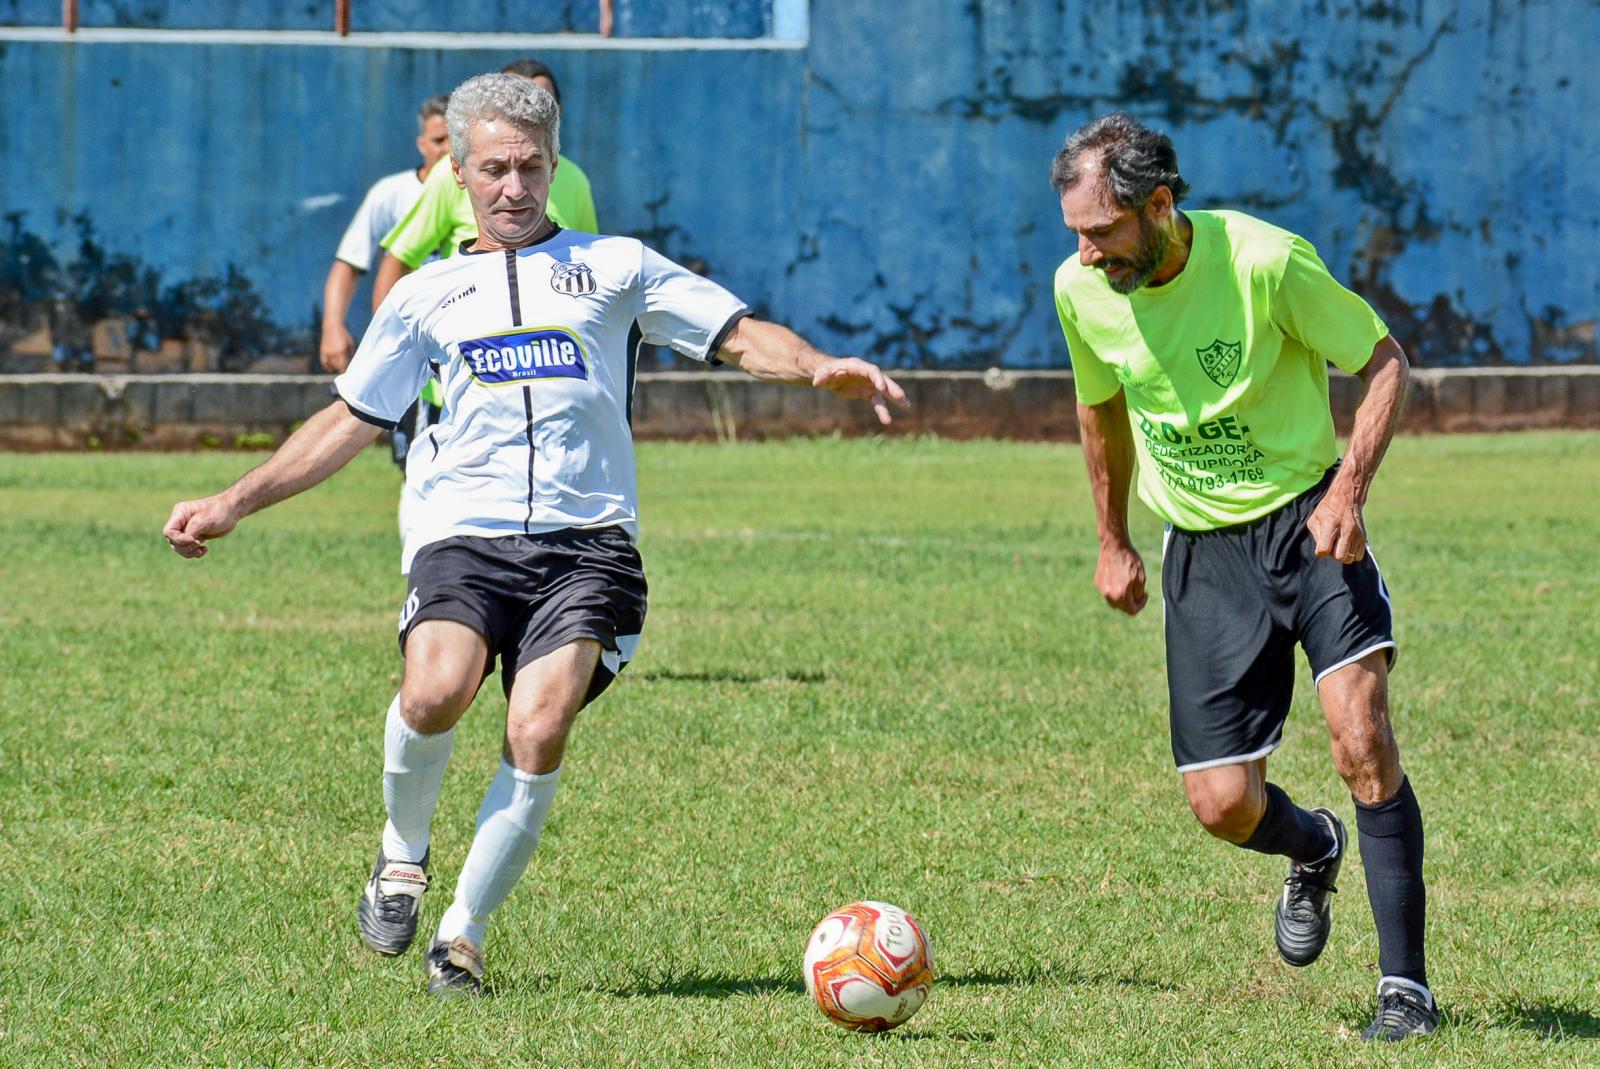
point(1200, 342)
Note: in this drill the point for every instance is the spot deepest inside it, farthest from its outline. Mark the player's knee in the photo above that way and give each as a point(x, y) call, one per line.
point(1226, 810)
point(1364, 751)
point(1369, 766)
point(431, 706)
point(536, 737)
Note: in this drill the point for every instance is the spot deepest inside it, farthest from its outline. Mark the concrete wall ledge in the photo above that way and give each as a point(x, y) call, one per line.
point(164, 412)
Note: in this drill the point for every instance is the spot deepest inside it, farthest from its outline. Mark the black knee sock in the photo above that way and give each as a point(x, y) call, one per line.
point(1287, 829)
point(1391, 852)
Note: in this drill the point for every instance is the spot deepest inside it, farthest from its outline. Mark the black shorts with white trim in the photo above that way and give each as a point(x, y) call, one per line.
point(529, 595)
point(1238, 599)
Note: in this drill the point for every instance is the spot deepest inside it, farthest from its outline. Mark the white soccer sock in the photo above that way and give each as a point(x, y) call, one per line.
point(509, 821)
point(413, 768)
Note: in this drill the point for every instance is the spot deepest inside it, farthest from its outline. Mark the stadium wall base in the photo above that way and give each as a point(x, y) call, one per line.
point(179, 412)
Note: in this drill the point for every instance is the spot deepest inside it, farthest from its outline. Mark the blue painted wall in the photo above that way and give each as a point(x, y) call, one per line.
point(885, 189)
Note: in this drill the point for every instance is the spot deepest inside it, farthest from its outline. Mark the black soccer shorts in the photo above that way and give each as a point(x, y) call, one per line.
point(1237, 600)
point(529, 595)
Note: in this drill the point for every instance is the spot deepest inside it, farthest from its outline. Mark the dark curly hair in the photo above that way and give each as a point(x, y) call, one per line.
point(1134, 160)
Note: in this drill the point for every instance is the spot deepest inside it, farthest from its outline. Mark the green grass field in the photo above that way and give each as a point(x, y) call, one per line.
point(872, 669)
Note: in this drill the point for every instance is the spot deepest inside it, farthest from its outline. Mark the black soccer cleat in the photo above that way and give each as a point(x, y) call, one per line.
point(390, 903)
point(1304, 914)
point(455, 969)
point(1404, 1010)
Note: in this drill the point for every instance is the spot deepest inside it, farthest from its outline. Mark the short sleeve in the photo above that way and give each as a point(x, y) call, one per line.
point(360, 241)
point(1093, 381)
point(421, 231)
point(1311, 306)
point(679, 308)
point(389, 369)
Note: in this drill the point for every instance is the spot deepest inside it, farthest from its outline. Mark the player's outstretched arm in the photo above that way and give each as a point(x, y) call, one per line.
point(1336, 523)
point(773, 352)
point(1108, 452)
point(323, 445)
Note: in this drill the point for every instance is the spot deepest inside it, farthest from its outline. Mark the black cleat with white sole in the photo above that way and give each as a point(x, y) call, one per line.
point(1304, 913)
point(455, 969)
point(1404, 1010)
point(390, 904)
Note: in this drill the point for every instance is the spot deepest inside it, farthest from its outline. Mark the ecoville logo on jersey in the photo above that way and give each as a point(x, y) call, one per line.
point(525, 355)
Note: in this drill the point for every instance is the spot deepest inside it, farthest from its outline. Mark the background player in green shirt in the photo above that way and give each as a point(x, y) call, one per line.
point(1200, 343)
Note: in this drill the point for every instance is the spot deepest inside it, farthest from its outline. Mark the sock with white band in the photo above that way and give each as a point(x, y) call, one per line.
point(413, 768)
point(1391, 839)
point(509, 822)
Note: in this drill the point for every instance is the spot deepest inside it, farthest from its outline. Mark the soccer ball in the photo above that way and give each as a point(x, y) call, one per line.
point(868, 966)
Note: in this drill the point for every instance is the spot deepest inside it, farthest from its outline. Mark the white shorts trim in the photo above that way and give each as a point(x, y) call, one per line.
point(614, 660)
point(1242, 759)
point(1386, 644)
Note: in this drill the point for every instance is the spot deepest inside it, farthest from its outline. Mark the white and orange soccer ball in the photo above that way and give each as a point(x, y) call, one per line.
point(868, 966)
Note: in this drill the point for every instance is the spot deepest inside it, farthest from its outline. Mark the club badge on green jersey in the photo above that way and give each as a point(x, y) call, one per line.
point(1220, 361)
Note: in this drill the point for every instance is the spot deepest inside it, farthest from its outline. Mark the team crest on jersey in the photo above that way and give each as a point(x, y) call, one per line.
point(1220, 361)
point(525, 355)
point(575, 280)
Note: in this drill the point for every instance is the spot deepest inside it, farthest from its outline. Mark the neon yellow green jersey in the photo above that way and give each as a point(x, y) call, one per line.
point(1225, 368)
point(441, 219)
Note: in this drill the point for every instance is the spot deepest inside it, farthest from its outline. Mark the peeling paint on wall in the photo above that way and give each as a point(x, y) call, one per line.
point(886, 191)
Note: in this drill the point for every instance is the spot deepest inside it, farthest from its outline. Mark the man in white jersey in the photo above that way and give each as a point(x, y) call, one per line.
point(524, 550)
point(385, 204)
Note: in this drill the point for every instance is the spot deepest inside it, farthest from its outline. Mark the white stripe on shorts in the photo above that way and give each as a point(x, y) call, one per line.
point(1386, 644)
point(1242, 759)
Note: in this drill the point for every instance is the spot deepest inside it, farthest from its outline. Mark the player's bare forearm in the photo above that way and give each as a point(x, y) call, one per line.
point(323, 445)
point(1385, 377)
point(337, 292)
point(390, 271)
point(1108, 453)
point(775, 353)
point(1336, 524)
point(771, 351)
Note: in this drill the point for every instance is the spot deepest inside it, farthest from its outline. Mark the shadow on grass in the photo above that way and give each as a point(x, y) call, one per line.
point(667, 675)
point(689, 985)
point(1055, 978)
point(959, 1035)
point(1552, 1020)
point(694, 985)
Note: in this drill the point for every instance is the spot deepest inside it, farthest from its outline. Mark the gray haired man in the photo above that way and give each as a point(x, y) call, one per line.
point(524, 546)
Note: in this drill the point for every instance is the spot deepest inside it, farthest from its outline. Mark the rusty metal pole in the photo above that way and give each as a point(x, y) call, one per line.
point(341, 17)
point(69, 15)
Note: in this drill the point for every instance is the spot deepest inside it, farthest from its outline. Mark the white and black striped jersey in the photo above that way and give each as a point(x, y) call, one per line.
point(531, 347)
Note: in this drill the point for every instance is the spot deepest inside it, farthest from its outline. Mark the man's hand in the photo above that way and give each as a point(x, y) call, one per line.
point(337, 347)
point(853, 378)
point(1119, 576)
point(193, 523)
point(1336, 525)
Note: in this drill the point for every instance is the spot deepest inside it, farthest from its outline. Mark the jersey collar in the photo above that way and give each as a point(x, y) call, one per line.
point(464, 251)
